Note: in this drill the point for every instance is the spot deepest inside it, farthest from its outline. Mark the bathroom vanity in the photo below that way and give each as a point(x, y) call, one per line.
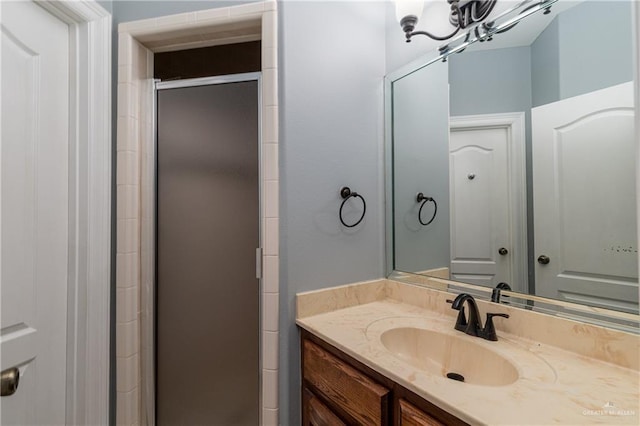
point(337, 386)
point(380, 352)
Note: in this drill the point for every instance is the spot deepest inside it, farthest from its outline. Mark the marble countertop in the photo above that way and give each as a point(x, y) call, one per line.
point(555, 386)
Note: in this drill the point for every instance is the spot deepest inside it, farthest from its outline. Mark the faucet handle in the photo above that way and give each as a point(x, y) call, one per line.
point(489, 331)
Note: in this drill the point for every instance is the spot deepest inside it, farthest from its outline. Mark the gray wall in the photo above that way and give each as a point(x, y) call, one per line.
point(608, 59)
point(421, 164)
point(490, 81)
point(332, 64)
point(332, 67)
point(580, 51)
point(545, 66)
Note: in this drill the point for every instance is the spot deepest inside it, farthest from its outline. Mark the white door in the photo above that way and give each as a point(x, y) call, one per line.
point(34, 212)
point(585, 199)
point(488, 197)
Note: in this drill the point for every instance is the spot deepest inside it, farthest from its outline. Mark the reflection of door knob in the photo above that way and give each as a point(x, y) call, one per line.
point(503, 251)
point(9, 380)
point(543, 259)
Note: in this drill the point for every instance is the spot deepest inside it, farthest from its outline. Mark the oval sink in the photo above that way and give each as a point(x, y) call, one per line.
point(443, 354)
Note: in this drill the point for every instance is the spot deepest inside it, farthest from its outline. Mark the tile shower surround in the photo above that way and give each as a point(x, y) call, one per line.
point(134, 262)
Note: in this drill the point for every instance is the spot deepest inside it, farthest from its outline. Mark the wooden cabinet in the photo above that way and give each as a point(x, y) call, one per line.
point(339, 390)
point(315, 413)
point(362, 399)
point(410, 415)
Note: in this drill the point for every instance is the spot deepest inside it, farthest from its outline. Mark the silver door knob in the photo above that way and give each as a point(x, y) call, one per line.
point(543, 259)
point(503, 251)
point(9, 380)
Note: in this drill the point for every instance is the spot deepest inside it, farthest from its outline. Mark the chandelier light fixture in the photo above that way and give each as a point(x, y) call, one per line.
point(464, 13)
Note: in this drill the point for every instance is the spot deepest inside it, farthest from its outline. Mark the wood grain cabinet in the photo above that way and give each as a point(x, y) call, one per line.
point(339, 390)
point(411, 415)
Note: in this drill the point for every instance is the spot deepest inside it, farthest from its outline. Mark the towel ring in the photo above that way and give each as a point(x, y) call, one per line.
point(420, 198)
point(346, 193)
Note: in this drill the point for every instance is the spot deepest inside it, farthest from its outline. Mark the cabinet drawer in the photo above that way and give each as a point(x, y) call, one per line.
point(413, 416)
point(357, 395)
point(316, 413)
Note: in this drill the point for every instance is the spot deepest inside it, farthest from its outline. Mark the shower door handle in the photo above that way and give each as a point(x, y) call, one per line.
point(259, 263)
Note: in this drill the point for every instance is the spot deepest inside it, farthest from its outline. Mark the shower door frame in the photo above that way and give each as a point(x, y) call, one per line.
point(138, 41)
point(149, 295)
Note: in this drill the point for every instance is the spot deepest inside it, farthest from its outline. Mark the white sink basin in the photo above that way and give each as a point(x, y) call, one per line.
point(442, 354)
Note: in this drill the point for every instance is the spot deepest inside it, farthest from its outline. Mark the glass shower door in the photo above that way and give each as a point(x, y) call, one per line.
point(207, 309)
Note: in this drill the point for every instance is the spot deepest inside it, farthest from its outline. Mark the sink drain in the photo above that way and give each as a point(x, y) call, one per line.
point(455, 376)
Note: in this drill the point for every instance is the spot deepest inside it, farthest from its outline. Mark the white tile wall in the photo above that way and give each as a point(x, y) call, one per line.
point(128, 238)
point(128, 168)
point(127, 305)
point(135, 65)
point(270, 160)
point(269, 417)
point(218, 14)
point(270, 230)
point(127, 270)
point(128, 207)
point(127, 338)
point(271, 274)
point(270, 92)
point(128, 371)
point(270, 389)
point(270, 124)
point(126, 134)
point(270, 57)
point(270, 350)
point(270, 312)
point(270, 197)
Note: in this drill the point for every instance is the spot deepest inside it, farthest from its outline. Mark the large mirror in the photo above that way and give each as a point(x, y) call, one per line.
point(513, 161)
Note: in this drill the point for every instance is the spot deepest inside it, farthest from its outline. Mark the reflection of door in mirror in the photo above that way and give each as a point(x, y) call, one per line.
point(487, 201)
point(584, 199)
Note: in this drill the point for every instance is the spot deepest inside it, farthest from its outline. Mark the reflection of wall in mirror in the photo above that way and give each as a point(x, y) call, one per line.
point(421, 164)
point(578, 52)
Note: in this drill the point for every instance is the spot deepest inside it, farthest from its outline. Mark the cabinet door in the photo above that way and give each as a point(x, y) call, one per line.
point(315, 413)
point(362, 399)
point(412, 416)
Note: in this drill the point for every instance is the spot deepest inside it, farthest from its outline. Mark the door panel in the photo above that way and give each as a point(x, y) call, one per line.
point(34, 218)
point(485, 215)
point(208, 232)
point(584, 199)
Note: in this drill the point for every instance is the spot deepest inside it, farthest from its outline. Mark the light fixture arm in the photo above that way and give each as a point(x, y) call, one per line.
point(409, 22)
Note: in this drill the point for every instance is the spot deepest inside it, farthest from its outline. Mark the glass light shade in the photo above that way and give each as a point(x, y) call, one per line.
point(409, 7)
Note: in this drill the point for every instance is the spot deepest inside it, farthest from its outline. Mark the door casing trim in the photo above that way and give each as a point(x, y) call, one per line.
point(88, 320)
point(515, 124)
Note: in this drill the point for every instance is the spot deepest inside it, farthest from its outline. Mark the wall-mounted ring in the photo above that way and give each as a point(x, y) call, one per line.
point(420, 198)
point(346, 193)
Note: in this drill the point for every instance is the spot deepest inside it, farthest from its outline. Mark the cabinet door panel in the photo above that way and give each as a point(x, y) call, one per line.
point(412, 416)
point(318, 414)
point(359, 396)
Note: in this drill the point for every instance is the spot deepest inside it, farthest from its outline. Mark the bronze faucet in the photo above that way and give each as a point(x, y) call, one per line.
point(473, 325)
